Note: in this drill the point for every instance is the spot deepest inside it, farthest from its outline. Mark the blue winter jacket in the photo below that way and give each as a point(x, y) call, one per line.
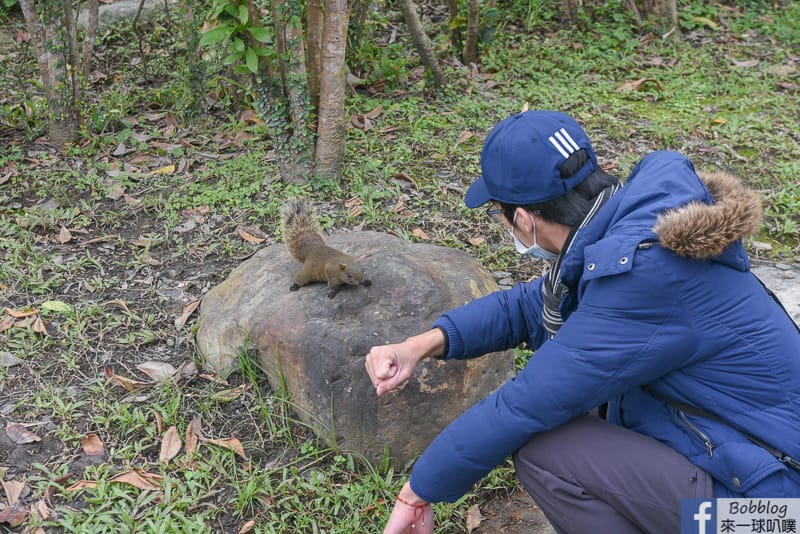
point(661, 294)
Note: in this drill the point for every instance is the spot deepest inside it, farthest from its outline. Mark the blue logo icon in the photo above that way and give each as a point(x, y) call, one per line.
point(698, 516)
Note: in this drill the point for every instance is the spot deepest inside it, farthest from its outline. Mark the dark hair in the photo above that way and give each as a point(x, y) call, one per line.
point(570, 208)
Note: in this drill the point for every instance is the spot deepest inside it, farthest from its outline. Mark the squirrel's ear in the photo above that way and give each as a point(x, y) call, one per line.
point(342, 267)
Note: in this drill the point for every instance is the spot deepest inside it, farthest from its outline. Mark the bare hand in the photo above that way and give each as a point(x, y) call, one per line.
point(413, 516)
point(390, 366)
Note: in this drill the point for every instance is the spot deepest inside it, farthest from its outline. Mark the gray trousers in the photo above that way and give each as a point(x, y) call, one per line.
point(590, 476)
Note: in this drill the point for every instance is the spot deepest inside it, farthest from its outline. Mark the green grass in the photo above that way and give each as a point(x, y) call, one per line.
point(140, 238)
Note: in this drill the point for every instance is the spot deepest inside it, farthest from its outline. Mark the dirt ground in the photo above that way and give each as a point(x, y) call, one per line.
point(516, 514)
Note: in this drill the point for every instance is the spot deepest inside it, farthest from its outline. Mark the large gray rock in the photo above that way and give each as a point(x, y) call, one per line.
point(125, 10)
point(784, 281)
point(317, 345)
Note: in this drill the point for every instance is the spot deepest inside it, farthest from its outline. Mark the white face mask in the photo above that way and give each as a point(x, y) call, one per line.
point(534, 251)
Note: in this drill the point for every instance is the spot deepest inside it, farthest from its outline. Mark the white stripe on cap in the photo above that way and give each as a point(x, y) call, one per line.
point(558, 146)
point(571, 141)
point(563, 142)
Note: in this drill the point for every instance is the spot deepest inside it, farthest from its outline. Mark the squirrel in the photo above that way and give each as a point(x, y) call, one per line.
point(321, 263)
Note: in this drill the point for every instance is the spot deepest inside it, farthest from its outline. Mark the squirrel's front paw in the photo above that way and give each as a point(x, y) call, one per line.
point(294, 287)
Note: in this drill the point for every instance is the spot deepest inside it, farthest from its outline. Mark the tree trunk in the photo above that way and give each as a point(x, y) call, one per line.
point(456, 39)
point(331, 129)
point(316, 20)
point(282, 96)
point(61, 64)
point(88, 42)
point(471, 44)
point(663, 13)
point(569, 10)
point(421, 41)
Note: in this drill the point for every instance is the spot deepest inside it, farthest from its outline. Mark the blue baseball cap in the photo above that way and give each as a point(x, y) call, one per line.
point(522, 157)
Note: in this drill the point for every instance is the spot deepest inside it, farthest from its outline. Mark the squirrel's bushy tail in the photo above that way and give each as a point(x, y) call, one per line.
point(301, 230)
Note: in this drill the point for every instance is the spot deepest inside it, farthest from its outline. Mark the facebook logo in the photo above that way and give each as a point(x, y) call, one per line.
point(698, 516)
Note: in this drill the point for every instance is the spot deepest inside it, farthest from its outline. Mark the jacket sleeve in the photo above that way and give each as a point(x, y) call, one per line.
point(625, 332)
point(495, 322)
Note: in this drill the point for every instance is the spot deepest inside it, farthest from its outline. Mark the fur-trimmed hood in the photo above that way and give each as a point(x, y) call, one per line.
point(703, 231)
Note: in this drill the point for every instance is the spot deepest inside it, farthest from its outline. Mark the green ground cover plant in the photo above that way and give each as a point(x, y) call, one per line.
point(106, 247)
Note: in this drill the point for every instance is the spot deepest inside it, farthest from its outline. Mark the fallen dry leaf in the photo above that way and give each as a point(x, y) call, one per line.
point(249, 235)
point(127, 383)
point(14, 515)
point(81, 484)
point(133, 202)
point(228, 443)
point(228, 395)
point(38, 326)
point(161, 372)
point(375, 113)
point(115, 191)
point(92, 445)
point(194, 433)
point(747, 63)
point(6, 323)
point(214, 378)
point(636, 85)
point(404, 180)
point(168, 169)
point(401, 204)
point(248, 527)
point(101, 239)
point(142, 241)
point(19, 315)
point(198, 213)
point(420, 233)
point(120, 304)
point(474, 518)
point(464, 136)
point(64, 236)
point(188, 309)
point(20, 435)
point(159, 421)
point(7, 359)
point(250, 116)
point(170, 445)
point(40, 509)
point(13, 490)
point(186, 370)
point(139, 479)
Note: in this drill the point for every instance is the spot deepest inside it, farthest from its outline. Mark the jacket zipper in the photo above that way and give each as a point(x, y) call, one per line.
point(697, 432)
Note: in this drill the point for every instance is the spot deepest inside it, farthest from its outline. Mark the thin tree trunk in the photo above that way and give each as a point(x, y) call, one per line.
point(283, 99)
point(631, 4)
point(88, 42)
point(421, 41)
point(63, 117)
point(316, 20)
point(297, 91)
point(73, 51)
point(569, 10)
point(471, 44)
point(663, 12)
point(455, 32)
point(331, 130)
point(278, 22)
